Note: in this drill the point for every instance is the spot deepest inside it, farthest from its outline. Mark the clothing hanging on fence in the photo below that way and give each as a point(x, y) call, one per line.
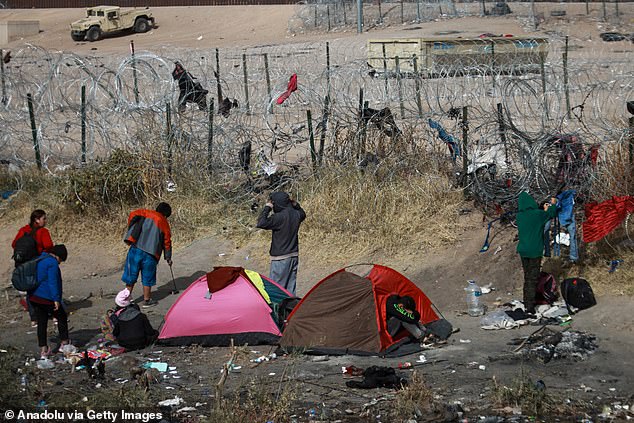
point(452, 144)
point(602, 218)
point(291, 87)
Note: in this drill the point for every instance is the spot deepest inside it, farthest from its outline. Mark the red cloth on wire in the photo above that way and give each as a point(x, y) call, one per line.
point(292, 86)
point(603, 218)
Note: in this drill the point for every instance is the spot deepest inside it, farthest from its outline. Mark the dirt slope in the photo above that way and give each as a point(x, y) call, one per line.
point(441, 274)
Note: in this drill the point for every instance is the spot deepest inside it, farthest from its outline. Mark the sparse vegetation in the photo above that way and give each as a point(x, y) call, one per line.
point(415, 400)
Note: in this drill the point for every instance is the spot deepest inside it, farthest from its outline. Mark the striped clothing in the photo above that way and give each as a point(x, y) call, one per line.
point(148, 230)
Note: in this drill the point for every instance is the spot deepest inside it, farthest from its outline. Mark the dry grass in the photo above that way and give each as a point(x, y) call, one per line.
point(257, 402)
point(534, 399)
point(355, 214)
point(414, 401)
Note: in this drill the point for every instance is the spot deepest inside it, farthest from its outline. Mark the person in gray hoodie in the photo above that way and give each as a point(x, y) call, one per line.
point(284, 222)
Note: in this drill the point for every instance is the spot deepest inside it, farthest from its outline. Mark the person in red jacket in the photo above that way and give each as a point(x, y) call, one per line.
point(37, 229)
point(148, 236)
point(42, 235)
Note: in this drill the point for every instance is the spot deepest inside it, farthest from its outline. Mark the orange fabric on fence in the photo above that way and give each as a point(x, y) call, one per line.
point(602, 218)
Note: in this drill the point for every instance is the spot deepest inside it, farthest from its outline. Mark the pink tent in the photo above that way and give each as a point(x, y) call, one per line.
point(242, 310)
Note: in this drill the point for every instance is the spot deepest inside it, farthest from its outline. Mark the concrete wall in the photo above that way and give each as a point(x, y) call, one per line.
point(14, 30)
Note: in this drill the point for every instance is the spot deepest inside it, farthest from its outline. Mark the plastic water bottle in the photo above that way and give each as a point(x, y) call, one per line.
point(474, 308)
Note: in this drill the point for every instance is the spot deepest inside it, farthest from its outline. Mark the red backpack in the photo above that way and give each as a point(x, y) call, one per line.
point(546, 291)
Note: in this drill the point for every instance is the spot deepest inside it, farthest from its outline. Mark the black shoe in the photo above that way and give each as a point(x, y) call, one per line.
point(149, 303)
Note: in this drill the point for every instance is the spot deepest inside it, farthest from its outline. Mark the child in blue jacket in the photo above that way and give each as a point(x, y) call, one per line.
point(47, 297)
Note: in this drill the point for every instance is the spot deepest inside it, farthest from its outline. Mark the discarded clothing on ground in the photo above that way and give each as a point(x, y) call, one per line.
point(378, 377)
point(512, 315)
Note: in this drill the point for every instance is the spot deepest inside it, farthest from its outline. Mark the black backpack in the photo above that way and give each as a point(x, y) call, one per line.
point(546, 290)
point(577, 293)
point(24, 276)
point(25, 248)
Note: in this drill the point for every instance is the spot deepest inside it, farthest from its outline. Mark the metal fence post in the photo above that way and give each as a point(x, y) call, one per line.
point(134, 77)
point(419, 104)
point(246, 82)
point(311, 136)
point(210, 138)
point(4, 99)
point(566, 88)
point(36, 142)
point(268, 76)
point(83, 124)
point(465, 134)
point(400, 86)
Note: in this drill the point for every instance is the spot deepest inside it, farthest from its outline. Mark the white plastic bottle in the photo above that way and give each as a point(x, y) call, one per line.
point(474, 308)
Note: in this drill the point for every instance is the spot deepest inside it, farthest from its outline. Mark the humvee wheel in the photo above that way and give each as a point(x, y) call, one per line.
point(141, 25)
point(94, 33)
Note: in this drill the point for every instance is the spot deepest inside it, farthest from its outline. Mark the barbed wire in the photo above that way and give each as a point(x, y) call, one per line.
point(512, 147)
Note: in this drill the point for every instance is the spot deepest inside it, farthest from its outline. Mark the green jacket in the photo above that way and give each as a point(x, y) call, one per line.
point(530, 225)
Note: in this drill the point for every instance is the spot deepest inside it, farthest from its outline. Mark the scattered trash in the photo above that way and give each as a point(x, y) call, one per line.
point(465, 341)
point(161, 367)
point(221, 255)
point(262, 358)
point(482, 367)
point(422, 359)
point(272, 374)
point(45, 364)
point(405, 365)
point(68, 349)
point(352, 371)
point(185, 409)
point(497, 250)
point(487, 289)
point(320, 358)
point(614, 264)
point(171, 402)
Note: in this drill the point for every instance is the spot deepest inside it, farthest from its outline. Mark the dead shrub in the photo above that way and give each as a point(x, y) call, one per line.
point(258, 401)
point(414, 401)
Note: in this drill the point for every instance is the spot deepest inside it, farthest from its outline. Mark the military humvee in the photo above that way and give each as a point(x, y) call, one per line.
point(101, 20)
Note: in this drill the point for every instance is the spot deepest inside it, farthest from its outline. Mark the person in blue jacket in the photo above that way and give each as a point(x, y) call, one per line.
point(47, 297)
point(566, 216)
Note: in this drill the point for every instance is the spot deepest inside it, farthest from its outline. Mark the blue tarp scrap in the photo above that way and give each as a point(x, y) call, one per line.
point(454, 147)
point(6, 194)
